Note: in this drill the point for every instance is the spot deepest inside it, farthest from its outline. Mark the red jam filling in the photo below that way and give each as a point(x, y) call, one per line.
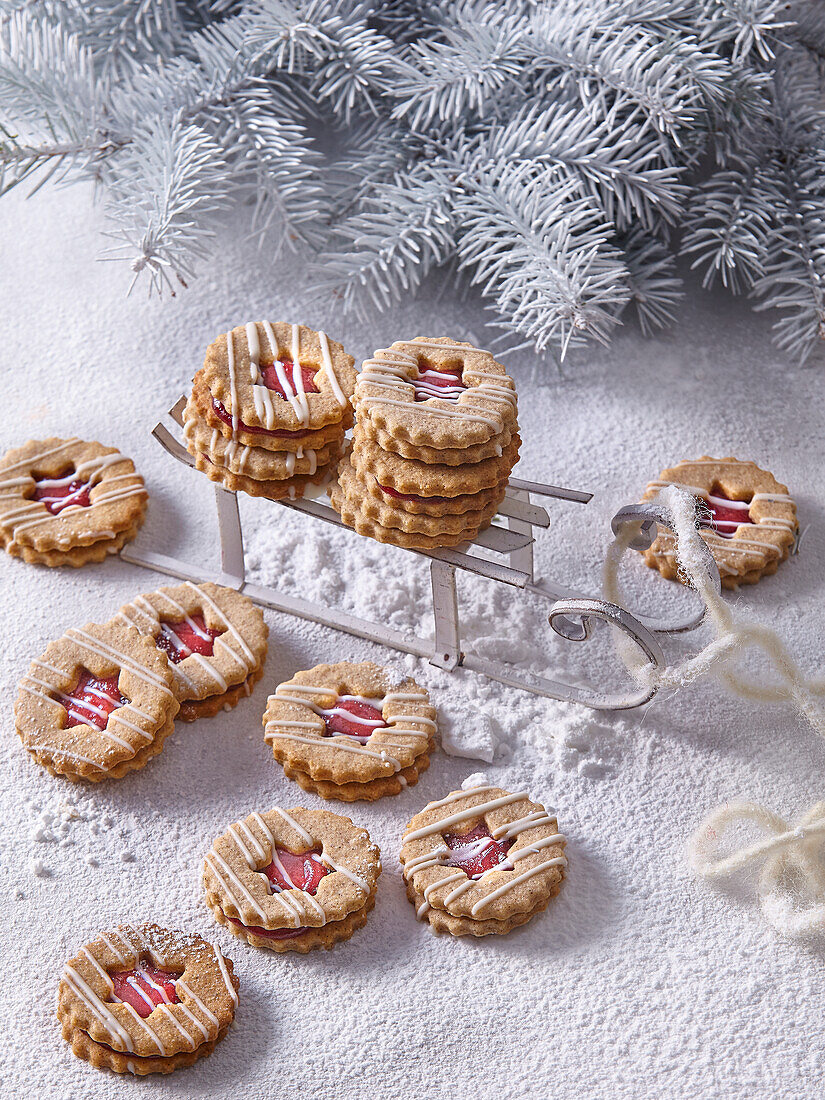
point(476, 852)
point(277, 433)
point(353, 717)
point(181, 640)
point(406, 496)
point(290, 872)
point(270, 933)
point(58, 493)
point(92, 700)
point(727, 515)
point(446, 384)
point(269, 374)
point(144, 989)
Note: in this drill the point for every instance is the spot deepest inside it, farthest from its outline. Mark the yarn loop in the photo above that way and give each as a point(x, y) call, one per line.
point(791, 887)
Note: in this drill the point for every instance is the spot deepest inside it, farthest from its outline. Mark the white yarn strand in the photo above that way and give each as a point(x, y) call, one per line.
point(735, 632)
point(791, 885)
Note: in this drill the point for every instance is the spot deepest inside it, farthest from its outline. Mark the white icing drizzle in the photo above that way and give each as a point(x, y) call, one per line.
point(102, 649)
point(153, 1035)
point(230, 988)
point(215, 861)
point(359, 882)
point(211, 1017)
point(290, 820)
point(112, 948)
point(167, 1012)
point(557, 861)
point(106, 977)
point(254, 346)
point(233, 384)
point(133, 954)
point(249, 658)
point(133, 983)
point(191, 1016)
point(53, 750)
point(326, 359)
point(341, 743)
point(463, 815)
point(119, 1036)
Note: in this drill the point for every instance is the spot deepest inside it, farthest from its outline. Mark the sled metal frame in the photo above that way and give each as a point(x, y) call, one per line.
point(570, 614)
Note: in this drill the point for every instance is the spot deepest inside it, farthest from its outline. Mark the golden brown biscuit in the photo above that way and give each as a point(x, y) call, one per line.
point(278, 874)
point(752, 524)
point(349, 723)
point(66, 501)
point(483, 855)
point(436, 393)
point(146, 999)
point(99, 703)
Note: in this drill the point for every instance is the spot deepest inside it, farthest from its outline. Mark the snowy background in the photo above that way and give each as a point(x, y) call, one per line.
point(637, 982)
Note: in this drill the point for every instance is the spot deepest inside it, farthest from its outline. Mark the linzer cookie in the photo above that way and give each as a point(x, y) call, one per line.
point(435, 393)
point(214, 638)
point(144, 999)
point(268, 411)
point(482, 861)
point(347, 731)
point(99, 703)
point(68, 502)
point(433, 448)
point(292, 880)
point(750, 524)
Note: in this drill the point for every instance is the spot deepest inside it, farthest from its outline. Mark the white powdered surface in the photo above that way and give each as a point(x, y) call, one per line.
point(637, 982)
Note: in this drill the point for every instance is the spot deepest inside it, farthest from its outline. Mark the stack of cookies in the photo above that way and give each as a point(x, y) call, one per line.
point(346, 731)
point(68, 501)
point(435, 441)
point(269, 408)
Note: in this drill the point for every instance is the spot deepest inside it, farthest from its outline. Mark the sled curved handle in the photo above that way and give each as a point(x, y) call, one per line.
point(648, 514)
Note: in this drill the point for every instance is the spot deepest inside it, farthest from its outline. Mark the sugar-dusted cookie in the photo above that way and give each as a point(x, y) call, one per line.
point(273, 375)
point(143, 999)
point(350, 726)
point(482, 861)
point(99, 703)
point(68, 502)
point(292, 880)
point(214, 638)
point(751, 523)
point(436, 393)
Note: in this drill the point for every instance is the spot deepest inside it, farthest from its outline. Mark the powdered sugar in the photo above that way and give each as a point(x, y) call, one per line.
point(637, 982)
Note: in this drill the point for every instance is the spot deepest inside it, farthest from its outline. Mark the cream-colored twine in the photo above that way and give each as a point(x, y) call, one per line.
point(791, 886)
point(735, 632)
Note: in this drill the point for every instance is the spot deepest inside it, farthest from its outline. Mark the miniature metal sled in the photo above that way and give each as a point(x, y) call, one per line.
point(570, 615)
